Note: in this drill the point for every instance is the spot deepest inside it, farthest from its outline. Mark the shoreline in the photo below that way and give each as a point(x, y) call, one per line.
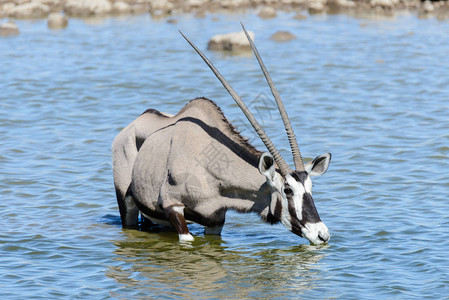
point(58, 12)
point(40, 9)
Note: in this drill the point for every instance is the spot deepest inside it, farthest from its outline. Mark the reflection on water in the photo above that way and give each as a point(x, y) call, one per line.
point(157, 262)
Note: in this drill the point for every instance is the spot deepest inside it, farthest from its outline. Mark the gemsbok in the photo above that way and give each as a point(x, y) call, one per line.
point(162, 168)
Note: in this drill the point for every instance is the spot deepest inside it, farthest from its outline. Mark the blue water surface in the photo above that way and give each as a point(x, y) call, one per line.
point(373, 92)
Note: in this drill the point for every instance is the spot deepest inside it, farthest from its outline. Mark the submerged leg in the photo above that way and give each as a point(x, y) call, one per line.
point(217, 223)
point(124, 153)
point(216, 230)
point(129, 213)
point(175, 214)
point(145, 223)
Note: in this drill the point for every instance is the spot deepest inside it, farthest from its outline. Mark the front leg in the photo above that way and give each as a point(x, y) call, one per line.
point(175, 214)
point(173, 210)
point(215, 222)
point(215, 230)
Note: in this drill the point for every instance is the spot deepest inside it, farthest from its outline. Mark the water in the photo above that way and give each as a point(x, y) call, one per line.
point(372, 92)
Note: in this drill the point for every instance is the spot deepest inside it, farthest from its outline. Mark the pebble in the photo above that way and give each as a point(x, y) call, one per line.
point(121, 8)
point(31, 10)
point(283, 36)
point(235, 41)
point(161, 7)
point(57, 21)
point(428, 7)
point(317, 6)
point(86, 8)
point(9, 29)
point(267, 13)
point(383, 3)
point(300, 16)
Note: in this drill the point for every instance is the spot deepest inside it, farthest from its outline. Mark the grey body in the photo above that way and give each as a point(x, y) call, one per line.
point(160, 161)
point(125, 147)
point(178, 173)
point(194, 166)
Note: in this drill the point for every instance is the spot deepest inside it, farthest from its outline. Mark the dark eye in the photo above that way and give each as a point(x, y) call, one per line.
point(288, 191)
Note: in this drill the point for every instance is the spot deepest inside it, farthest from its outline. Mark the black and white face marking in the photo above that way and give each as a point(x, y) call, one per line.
point(298, 212)
point(291, 198)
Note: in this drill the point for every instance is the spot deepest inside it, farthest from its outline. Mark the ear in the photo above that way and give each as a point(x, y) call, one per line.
point(319, 165)
point(266, 166)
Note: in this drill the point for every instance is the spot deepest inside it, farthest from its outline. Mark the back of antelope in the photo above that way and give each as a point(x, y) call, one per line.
point(161, 170)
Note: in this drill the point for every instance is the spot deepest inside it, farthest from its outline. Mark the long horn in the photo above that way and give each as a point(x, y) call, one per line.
point(297, 158)
point(283, 167)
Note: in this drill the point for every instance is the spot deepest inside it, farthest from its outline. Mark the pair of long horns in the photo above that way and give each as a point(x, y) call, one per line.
point(283, 166)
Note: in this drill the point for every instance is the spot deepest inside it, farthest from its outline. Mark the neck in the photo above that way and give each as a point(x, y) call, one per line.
point(247, 191)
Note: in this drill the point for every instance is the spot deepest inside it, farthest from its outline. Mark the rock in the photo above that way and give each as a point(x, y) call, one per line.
point(317, 6)
point(85, 8)
point(200, 13)
point(233, 4)
point(235, 41)
point(428, 7)
point(7, 9)
point(344, 3)
point(267, 12)
point(140, 8)
point(31, 10)
point(283, 36)
point(121, 8)
point(57, 21)
point(300, 16)
point(172, 21)
point(195, 3)
point(384, 3)
point(161, 7)
point(46, 2)
point(9, 29)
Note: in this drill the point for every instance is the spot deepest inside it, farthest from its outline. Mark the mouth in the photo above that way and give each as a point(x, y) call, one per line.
point(319, 243)
point(314, 240)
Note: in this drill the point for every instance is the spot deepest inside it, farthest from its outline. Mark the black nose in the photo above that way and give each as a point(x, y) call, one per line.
point(323, 237)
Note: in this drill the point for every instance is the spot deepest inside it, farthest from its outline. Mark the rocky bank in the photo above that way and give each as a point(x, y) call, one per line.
point(58, 12)
point(31, 9)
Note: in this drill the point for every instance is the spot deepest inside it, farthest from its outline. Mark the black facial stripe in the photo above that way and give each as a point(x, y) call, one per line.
point(295, 223)
point(291, 206)
point(299, 176)
point(271, 219)
point(275, 217)
point(278, 209)
point(309, 212)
